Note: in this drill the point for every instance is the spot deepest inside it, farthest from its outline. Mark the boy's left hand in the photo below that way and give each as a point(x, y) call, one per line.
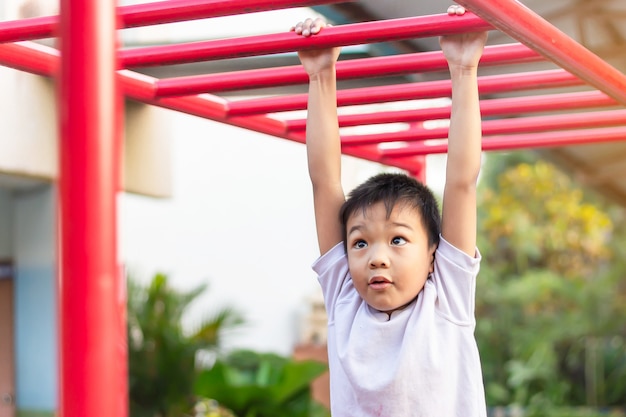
point(462, 50)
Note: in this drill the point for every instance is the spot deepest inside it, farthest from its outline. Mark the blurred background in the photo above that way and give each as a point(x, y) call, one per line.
point(217, 238)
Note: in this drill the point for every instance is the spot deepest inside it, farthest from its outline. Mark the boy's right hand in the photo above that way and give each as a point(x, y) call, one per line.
point(315, 61)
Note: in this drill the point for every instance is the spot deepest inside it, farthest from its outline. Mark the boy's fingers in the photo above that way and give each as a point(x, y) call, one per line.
point(455, 9)
point(298, 28)
point(309, 26)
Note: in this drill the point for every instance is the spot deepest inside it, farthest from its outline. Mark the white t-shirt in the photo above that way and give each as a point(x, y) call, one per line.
point(423, 362)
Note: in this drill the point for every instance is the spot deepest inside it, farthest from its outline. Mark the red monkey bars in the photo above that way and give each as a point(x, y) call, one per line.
point(92, 380)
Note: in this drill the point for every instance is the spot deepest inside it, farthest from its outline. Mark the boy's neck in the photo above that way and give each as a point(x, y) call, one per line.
point(402, 307)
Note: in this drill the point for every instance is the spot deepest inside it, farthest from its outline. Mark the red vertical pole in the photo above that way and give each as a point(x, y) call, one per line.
point(92, 345)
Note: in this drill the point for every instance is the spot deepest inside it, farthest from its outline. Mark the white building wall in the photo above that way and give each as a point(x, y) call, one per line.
point(241, 220)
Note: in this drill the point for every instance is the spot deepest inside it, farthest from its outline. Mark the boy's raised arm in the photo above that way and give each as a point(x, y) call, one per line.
point(322, 137)
point(463, 52)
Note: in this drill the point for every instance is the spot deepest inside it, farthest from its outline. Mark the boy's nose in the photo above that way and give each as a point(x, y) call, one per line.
point(379, 258)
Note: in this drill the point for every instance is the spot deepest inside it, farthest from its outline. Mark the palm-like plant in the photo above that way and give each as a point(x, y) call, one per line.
point(255, 384)
point(161, 355)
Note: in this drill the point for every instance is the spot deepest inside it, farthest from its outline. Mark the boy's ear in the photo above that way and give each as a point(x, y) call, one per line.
point(431, 252)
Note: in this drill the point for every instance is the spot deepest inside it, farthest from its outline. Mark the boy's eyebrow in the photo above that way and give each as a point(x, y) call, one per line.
point(405, 225)
point(355, 228)
point(360, 226)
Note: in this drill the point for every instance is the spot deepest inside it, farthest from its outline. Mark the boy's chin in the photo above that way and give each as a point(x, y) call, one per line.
point(391, 308)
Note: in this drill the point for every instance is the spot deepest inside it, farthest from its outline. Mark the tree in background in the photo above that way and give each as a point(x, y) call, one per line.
point(551, 296)
point(161, 354)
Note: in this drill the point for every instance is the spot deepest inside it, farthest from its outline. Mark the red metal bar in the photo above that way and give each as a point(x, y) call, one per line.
point(495, 107)
point(141, 87)
point(31, 57)
point(153, 14)
point(40, 59)
point(352, 34)
point(499, 127)
point(355, 68)
point(93, 378)
point(29, 29)
point(433, 89)
point(521, 23)
point(522, 141)
point(179, 10)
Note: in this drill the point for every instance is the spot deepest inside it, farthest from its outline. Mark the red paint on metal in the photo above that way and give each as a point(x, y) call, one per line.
point(153, 14)
point(352, 34)
point(92, 372)
point(512, 106)
point(499, 127)
point(346, 70)
point(411, 91)
point(524, 25)
point(518, 141)
point(28, 29)
point(181, 10)
point(31, 57)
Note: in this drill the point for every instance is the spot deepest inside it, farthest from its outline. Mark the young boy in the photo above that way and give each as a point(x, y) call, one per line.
point(398, 284)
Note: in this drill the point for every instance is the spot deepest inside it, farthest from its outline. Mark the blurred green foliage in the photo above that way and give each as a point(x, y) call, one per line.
point(551, 296)
point(262, 385)
point(161, 354)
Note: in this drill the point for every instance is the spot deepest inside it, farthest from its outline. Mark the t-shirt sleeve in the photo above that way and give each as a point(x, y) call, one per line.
point(454, 278)
point(332, 273)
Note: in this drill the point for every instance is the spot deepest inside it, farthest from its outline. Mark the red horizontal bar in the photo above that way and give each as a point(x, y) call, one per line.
point(488, 108)
point(410, 91)
point(352, 34)
point(498, 127)
point(179, 10)
point(521, 23)
point(44, 60)
point(522, 141)
point(152, 14)
point(31, 57)
point(29, 29)
point(356, 68)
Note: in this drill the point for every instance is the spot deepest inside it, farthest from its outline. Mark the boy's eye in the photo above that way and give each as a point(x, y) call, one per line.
point(398, 240)
point(360, 244)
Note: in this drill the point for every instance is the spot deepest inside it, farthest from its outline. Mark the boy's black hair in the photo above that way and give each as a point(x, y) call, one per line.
point(392, 189)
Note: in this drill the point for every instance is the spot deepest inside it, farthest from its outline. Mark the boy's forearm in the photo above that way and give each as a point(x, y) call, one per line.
point(464, 139)
point(322, 130)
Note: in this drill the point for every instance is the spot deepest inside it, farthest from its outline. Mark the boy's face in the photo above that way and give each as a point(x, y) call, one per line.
point(389, 258)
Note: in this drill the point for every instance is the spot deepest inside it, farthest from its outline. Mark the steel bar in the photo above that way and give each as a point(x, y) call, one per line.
point(29, 29)
point(153, 14)
point(352, 69)
point(182, 10)
point(92, 343)
point(42, 59)
point(30, 57)
point(492, 84)
point(351, 34)
point(139, 87)
point(511, 106)
point(521, 23)
point(521, 141)
point(499, 127)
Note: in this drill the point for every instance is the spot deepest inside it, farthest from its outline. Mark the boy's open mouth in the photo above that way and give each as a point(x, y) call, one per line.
point(379, 283)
